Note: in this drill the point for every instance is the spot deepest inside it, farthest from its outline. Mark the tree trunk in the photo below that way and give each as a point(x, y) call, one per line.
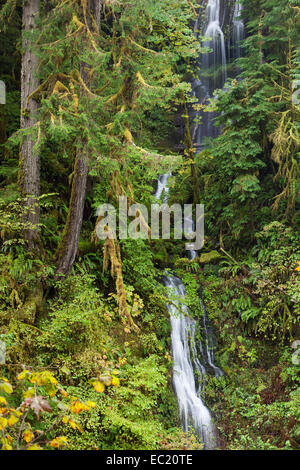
point(29, 176)
point(68, 246)
point(67, 250)
point(97, 9)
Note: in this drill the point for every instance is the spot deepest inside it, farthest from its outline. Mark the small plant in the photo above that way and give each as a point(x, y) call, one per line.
point(22, 426)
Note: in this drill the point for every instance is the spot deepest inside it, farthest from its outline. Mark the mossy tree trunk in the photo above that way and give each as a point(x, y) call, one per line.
point(29, 177)
point(67, 249)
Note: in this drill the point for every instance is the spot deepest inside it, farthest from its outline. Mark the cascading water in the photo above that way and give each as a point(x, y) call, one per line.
point(162, 187)
point(189, 371)
point(238, 33)
point(193, 412)
point(213, 74)
point(186, 364)
point(216, 42)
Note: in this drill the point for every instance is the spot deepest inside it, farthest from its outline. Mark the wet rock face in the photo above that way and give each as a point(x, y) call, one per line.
point(227, 9)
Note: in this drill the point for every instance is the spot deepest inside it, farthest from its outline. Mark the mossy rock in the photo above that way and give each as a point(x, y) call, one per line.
point(211, 257)
point(32, 305)
point(28, 311)
point(182, 262)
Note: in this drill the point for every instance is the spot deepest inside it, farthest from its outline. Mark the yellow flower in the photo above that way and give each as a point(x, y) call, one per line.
point(59, 441)
point(99, 386)
point(28, 436)
point(115, 381)
point(12, 420)
point(77, 406)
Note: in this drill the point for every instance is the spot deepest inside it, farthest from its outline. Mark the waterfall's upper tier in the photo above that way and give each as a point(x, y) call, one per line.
point(222, 12)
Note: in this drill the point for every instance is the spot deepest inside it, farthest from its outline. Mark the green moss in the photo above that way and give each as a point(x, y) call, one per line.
point(211, 257)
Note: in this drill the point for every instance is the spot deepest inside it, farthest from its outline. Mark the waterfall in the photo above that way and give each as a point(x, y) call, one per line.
point(216, 42)
point(238, 33)
point(162, 187)
point(193, 412)
point(213, 65)
point(189, 367)
point(213, 73)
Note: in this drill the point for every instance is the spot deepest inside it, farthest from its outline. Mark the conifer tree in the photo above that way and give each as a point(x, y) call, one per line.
point(29, 178)
point(68, 246)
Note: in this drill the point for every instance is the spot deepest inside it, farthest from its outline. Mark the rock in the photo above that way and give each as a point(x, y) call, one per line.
point(210, 257)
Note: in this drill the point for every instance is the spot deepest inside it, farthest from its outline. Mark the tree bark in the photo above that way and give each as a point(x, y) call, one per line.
point(97, 9)
point(67, 250)
point(29, 176)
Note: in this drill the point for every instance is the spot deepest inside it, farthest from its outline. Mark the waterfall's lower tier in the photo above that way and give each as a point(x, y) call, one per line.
point(189, 371)
point(186, 366)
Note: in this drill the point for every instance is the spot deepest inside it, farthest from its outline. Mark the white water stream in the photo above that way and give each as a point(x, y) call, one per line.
point(186, 364)
point(193, 360)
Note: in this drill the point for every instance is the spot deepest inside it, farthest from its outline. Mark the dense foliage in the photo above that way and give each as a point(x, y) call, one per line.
point(91, 337)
